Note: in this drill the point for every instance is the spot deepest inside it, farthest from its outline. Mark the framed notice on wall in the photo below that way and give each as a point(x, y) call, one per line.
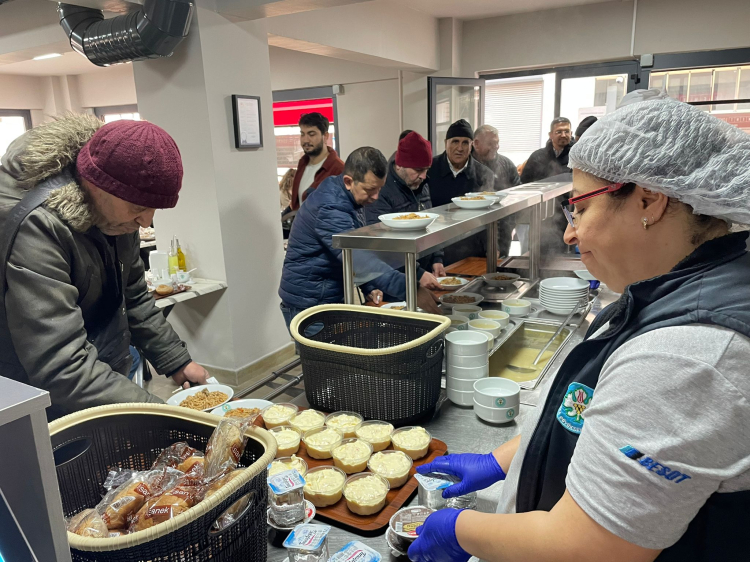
point(248, 132)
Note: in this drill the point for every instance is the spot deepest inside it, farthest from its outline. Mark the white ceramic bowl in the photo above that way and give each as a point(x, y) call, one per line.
point(493, 279)
point(468, 372)
point(470, 310)
point(563, 284)
point(495, 392)
point(502, 318)
point(460, 398)
point(560, 311)
point(495, 415)
point(482, 203)
point(468, 360)
point(391, 221)
point(247, 403)
point(447, 304)
point(466, 342)
point(459, 321)
point(516, 307)
point(175, 399)
point(585, 274)
point(489, 326)
point(452, 287)
point(462, 385)
point(398, 306)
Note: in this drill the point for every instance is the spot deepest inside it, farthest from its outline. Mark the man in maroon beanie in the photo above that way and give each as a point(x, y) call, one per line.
point(406, 191)
point(73, 194)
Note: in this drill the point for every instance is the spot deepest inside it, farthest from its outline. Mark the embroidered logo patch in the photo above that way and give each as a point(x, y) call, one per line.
point(653, 466)
point(576, 400)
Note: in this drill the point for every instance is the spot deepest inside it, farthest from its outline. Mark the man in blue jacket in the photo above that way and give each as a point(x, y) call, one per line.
point(313, 272)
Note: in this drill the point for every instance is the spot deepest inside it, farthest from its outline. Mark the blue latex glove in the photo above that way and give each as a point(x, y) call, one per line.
point(476, 472)
point(437, 540)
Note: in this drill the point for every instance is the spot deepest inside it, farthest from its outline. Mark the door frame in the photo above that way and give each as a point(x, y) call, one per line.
point(432, 83)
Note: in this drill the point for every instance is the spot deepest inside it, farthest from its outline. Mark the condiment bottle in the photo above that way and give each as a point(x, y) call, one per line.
point(173, 260)
point(180, 256)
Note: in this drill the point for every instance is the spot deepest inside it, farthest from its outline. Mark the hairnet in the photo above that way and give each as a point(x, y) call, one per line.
point(673, 148)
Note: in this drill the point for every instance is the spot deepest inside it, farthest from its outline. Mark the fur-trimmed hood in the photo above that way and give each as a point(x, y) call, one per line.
point(46, 151)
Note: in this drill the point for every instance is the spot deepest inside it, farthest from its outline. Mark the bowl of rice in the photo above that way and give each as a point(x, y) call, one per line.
point(203, 398)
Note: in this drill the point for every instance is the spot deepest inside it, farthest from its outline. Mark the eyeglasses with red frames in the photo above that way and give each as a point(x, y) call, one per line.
point(569, 205)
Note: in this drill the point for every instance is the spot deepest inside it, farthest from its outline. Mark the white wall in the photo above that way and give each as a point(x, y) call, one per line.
point(600, 32)
point(110, 86)
point(21, 92)
point(368, 116)
point(293, 69)
point(367, 111)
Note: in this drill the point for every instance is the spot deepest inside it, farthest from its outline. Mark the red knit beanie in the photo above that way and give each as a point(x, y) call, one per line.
point(414, 151)
point(135, 161)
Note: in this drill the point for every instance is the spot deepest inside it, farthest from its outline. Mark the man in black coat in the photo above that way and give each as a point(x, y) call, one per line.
point(484, 148)
point(456, 172)
point(406, 191)
point(552, 159)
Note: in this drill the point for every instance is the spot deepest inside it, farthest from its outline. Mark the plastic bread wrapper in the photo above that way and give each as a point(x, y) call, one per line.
point(179, 455)
point(88, 523)
point(226, 445)
point(119, 505)
point(166, 506)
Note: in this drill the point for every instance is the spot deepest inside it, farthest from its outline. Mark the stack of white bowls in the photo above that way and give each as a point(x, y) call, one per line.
point(560, 295)
point(496, 400)
point(467, 356)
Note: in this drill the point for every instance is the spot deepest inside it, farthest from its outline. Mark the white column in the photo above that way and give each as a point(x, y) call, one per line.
point(227, 218)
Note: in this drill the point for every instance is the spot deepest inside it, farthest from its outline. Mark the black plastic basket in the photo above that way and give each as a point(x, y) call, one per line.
point(382, 364)
point(131, 436)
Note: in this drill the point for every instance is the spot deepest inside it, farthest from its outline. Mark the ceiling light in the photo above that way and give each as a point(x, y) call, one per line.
point(48, 56)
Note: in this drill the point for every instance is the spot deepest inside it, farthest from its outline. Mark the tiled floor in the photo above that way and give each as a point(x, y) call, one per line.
point(164, 387)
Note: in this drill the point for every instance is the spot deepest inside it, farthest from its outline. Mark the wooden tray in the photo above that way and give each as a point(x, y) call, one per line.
point(340, 515)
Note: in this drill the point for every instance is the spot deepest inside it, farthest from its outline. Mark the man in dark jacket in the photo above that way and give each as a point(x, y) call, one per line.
point(484, 148)
point(73, 284)
point(551, 160)
point(406, 191)
point(313, 273)
point(455, 172)
point(319, 162)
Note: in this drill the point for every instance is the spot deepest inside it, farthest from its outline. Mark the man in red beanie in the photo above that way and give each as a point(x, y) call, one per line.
point(406, 191)
point(73, 194)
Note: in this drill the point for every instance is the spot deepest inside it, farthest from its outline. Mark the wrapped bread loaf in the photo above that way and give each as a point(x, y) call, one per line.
point(88, 523)
point(225, 447)
point(166, 506)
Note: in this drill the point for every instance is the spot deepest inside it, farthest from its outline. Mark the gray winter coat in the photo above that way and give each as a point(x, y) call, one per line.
point(61, 282)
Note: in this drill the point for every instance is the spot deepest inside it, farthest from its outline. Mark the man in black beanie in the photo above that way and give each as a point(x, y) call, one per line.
point(454, 173)
point(584, 125)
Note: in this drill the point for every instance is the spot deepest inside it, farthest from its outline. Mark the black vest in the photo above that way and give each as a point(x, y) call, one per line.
point(709, 287)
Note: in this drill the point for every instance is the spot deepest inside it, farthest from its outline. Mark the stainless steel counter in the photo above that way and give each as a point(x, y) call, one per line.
point(464, 432)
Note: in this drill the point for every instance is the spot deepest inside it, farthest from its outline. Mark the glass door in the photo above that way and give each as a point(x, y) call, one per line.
point(451, 99)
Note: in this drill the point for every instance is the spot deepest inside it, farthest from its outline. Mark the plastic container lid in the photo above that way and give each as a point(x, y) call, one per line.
point(405, 521)
point(307, 537)
point(356, 551)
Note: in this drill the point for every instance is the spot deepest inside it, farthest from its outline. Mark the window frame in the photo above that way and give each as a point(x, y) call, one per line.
point(25, 113)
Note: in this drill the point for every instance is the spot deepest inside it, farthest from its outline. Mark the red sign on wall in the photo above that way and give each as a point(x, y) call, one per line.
point(288, 113)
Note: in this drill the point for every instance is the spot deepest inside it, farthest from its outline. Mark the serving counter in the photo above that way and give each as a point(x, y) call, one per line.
point(464, 432)
point(452, 225)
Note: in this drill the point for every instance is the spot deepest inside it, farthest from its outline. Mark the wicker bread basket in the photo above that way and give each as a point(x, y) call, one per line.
point(89, 443)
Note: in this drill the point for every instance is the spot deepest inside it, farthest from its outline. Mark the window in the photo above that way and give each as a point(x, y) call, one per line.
point(13, 123)
point(724, 86)
point(117, 112)
point(516, 108)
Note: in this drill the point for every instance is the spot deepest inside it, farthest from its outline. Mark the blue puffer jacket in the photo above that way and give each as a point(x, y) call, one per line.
point(313, 273)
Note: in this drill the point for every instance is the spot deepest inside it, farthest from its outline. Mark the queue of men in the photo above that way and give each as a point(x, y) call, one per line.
point(411, 181)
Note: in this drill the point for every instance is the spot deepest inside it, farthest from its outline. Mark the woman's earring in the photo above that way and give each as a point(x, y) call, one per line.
point(644, 220)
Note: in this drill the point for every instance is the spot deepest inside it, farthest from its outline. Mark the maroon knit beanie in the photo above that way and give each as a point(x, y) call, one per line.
point(414, 152)
point(135, 161)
